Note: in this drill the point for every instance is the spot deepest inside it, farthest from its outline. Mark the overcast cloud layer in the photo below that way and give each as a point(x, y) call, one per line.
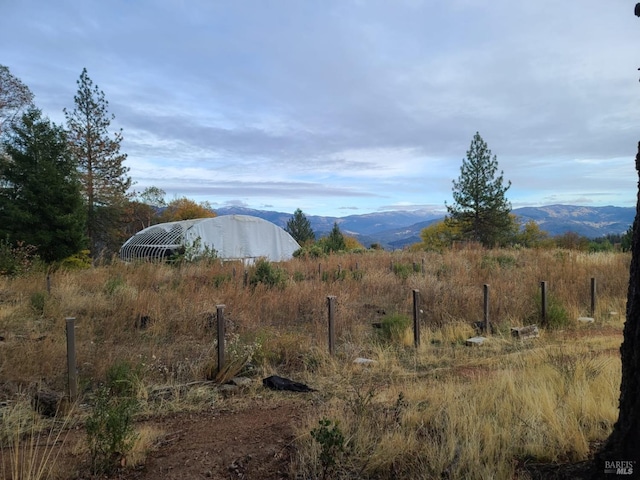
point(341, 107)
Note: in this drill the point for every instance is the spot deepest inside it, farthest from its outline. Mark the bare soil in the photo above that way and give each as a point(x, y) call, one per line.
point(254, 442)
point(249, 439)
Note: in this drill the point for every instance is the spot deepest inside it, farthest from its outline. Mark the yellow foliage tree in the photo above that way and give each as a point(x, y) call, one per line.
point(532, 236)
point(186, 209)
point(350, 243)
point(439, 236)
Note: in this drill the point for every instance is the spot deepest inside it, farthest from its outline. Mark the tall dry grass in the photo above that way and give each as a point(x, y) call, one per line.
point(442, 407)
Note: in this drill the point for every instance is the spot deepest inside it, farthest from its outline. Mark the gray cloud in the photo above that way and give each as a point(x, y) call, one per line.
point(344, 100)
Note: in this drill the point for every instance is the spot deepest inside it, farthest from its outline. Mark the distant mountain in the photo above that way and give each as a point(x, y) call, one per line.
point(397, 229)
point(589, 222)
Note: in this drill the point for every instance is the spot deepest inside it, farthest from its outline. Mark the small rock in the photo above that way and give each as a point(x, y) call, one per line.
point(475, 341)
point(585, 319)
point(364, 361)
point(241, 381)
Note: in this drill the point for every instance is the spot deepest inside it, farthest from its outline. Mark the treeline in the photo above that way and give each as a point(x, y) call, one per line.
point(65, 192)
point(64, 189)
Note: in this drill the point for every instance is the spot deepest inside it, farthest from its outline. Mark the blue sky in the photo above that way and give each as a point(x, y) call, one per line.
point(345, 107)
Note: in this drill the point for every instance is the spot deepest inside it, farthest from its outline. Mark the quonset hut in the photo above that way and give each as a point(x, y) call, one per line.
point(233, 237)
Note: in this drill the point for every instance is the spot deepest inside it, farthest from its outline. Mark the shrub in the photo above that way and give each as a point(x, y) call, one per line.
point(77, 261)
point(18, 259)
point(268, 275)
point(109, 427)
point(394, 326)
point(38, 301)
point(402, 271)
point(332, 444)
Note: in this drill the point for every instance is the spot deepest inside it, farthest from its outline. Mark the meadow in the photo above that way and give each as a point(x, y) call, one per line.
point(441, 409)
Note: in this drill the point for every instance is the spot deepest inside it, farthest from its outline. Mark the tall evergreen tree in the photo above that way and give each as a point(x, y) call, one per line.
point(335, 241)
point(481, 210)
point(104, 178)
point(40, 199)
point(299, 227)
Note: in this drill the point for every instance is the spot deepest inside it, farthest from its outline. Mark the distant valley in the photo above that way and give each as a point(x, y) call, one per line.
point(397, 229)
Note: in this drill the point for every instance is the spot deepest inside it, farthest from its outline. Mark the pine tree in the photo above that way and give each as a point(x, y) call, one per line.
point(299, 227)
point(335, 241)
point(103, 176)
point(40, 199)
point(481, 210)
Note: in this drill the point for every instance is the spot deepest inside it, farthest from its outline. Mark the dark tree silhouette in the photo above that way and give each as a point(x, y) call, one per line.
point(623, 445)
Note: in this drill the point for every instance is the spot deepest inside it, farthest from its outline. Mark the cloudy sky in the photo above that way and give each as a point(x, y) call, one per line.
point(343, 107)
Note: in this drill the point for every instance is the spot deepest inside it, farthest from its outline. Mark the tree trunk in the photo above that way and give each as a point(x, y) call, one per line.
point(623, 446)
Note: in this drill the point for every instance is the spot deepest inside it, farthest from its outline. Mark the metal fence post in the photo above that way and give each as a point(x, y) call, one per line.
point(220, 317)
point(71, 358)
point(487, 326)
point(416, 318)
point(331, 305)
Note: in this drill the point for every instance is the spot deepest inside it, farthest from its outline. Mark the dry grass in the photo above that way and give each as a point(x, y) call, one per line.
point(30, 444)
point(472, 412)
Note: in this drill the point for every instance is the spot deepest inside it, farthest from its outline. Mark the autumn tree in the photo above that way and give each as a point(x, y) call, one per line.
point(480, 207)
point(103, 176)
point(532, 236)
point(438, 236)
point(299, 227)
point(186, 209)
point(14, 96)
point(40, 199)
point(572, 241)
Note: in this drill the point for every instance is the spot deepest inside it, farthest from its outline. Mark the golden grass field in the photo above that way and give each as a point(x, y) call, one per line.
point(440, 409)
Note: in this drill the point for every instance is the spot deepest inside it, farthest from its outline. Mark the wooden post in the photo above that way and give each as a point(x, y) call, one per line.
point(319, 271)
point(543, 294)
point(487, 327)
point(423, 270)
point(71, 359)
point(245, 281)
point(331, 304)
point(220, 315)
point(416, 318)
point(593, 297)
point(48, 284)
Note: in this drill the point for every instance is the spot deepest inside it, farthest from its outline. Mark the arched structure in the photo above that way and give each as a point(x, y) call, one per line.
point(233, 237)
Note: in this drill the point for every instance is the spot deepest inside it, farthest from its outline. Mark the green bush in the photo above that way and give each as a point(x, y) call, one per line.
point(114, 284)
point(268, 275)
point(332, 445)
point(310, 251)
point(401, 270)
point(38, 301)
point(557, 315)
point(394, 326)
point(109, 427)
point(77, 261)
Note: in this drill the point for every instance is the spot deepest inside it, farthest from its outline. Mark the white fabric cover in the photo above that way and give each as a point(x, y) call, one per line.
point(232, 236)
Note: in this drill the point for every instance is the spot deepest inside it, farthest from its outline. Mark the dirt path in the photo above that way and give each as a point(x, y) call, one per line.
point(252, 443)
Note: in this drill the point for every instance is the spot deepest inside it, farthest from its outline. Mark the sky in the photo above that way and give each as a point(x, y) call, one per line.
point(342, 107)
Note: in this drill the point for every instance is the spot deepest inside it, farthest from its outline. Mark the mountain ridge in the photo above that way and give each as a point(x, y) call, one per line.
point(396, 229)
